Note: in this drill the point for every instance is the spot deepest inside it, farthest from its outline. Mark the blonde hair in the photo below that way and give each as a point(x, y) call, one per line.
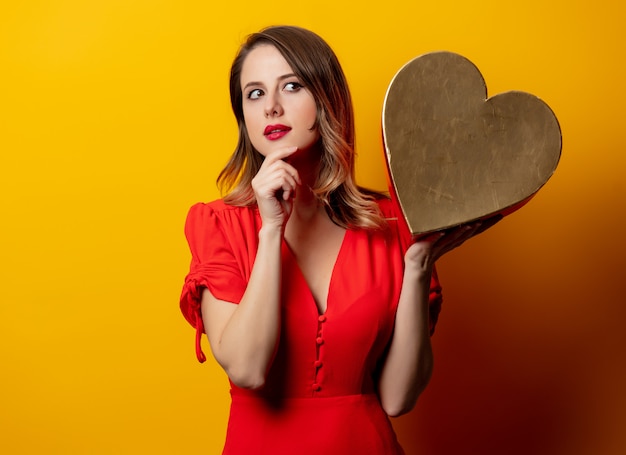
point(317, 66)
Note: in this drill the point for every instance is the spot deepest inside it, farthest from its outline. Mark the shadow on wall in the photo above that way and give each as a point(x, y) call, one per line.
point(528, 351)
point(489, 397)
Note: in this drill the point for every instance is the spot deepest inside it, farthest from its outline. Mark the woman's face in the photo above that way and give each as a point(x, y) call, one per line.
point(278, 110)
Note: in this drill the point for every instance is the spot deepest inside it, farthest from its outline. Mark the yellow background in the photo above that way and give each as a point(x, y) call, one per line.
point(114, 119)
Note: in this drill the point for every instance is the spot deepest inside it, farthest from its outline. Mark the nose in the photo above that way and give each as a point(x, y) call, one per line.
point(273, 108)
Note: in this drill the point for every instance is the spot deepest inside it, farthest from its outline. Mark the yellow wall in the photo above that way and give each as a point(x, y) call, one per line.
point(114, 119)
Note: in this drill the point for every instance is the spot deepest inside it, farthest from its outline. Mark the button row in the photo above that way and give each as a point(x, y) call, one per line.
point(319, 340)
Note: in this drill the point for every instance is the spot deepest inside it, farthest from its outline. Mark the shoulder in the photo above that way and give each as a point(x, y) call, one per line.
point(220, 210)
point(386, 207)
point(215, 207)
point(396, 224)
point(217, 216)
point(389, 209)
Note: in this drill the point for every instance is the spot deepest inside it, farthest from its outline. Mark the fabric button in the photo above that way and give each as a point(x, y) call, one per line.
point(316, 386)
point(319, 340)
point(317, 363)
point(322, 318)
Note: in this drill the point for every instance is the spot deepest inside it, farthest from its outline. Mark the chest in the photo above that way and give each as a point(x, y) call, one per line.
point(339, 349)
point(315, 257)
point(363, 282)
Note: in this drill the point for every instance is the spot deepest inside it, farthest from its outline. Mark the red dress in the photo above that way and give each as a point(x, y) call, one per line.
point(320, 393)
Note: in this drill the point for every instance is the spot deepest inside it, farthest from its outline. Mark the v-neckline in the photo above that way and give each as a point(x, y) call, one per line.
point(333, 272)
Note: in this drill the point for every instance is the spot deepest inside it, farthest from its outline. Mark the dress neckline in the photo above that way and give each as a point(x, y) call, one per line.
point(298, 271)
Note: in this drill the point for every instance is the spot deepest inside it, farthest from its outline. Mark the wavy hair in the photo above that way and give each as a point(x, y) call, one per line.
point(316, 65)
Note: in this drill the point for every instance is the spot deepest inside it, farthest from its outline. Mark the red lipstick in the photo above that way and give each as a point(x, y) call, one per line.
point(274, 132)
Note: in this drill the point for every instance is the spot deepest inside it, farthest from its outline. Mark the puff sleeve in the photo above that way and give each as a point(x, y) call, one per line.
point(214, 265)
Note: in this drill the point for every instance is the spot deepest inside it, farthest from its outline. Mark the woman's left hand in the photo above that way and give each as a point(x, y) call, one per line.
point(427, 249)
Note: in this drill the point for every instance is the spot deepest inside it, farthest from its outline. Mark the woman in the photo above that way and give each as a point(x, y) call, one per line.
point(314, 298)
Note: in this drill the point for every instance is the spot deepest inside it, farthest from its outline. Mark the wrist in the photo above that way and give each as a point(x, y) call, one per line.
point(418, 273)
point(269, 232)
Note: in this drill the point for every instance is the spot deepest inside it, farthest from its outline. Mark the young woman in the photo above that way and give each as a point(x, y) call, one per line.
point(315, 300)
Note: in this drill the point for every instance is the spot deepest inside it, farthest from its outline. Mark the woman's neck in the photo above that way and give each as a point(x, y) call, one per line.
point(306, 202)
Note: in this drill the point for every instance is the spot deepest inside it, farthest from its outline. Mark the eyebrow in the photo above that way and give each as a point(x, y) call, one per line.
point(254, 83)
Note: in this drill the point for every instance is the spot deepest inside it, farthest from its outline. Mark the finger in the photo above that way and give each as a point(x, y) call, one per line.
point(453, 238)
point(469, 230)
point(487, 223)
point(268, 181)
point(429, 237)
point(286, 191)
point(284, 181)
point(281, 154)
point(280, 168)
point(455, 233)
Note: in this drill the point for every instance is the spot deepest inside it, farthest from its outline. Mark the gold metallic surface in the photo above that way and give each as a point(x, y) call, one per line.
point(455, 156)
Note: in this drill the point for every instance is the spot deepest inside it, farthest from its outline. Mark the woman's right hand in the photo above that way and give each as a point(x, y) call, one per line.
point(275, 186)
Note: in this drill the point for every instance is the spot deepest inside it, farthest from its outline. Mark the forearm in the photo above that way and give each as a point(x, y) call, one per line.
point(247, 343)
point(409, 361)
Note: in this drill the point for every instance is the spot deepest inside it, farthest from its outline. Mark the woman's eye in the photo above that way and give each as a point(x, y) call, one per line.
point(255, 94)
point(293, 86)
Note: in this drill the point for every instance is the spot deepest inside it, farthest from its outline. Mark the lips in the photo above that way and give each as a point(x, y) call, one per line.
point(274, 132)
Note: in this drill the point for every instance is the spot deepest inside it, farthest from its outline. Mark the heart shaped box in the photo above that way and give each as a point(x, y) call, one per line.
point(456, 156)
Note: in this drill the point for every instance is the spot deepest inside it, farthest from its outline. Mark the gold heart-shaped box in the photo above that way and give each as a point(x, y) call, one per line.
point(456, 156)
